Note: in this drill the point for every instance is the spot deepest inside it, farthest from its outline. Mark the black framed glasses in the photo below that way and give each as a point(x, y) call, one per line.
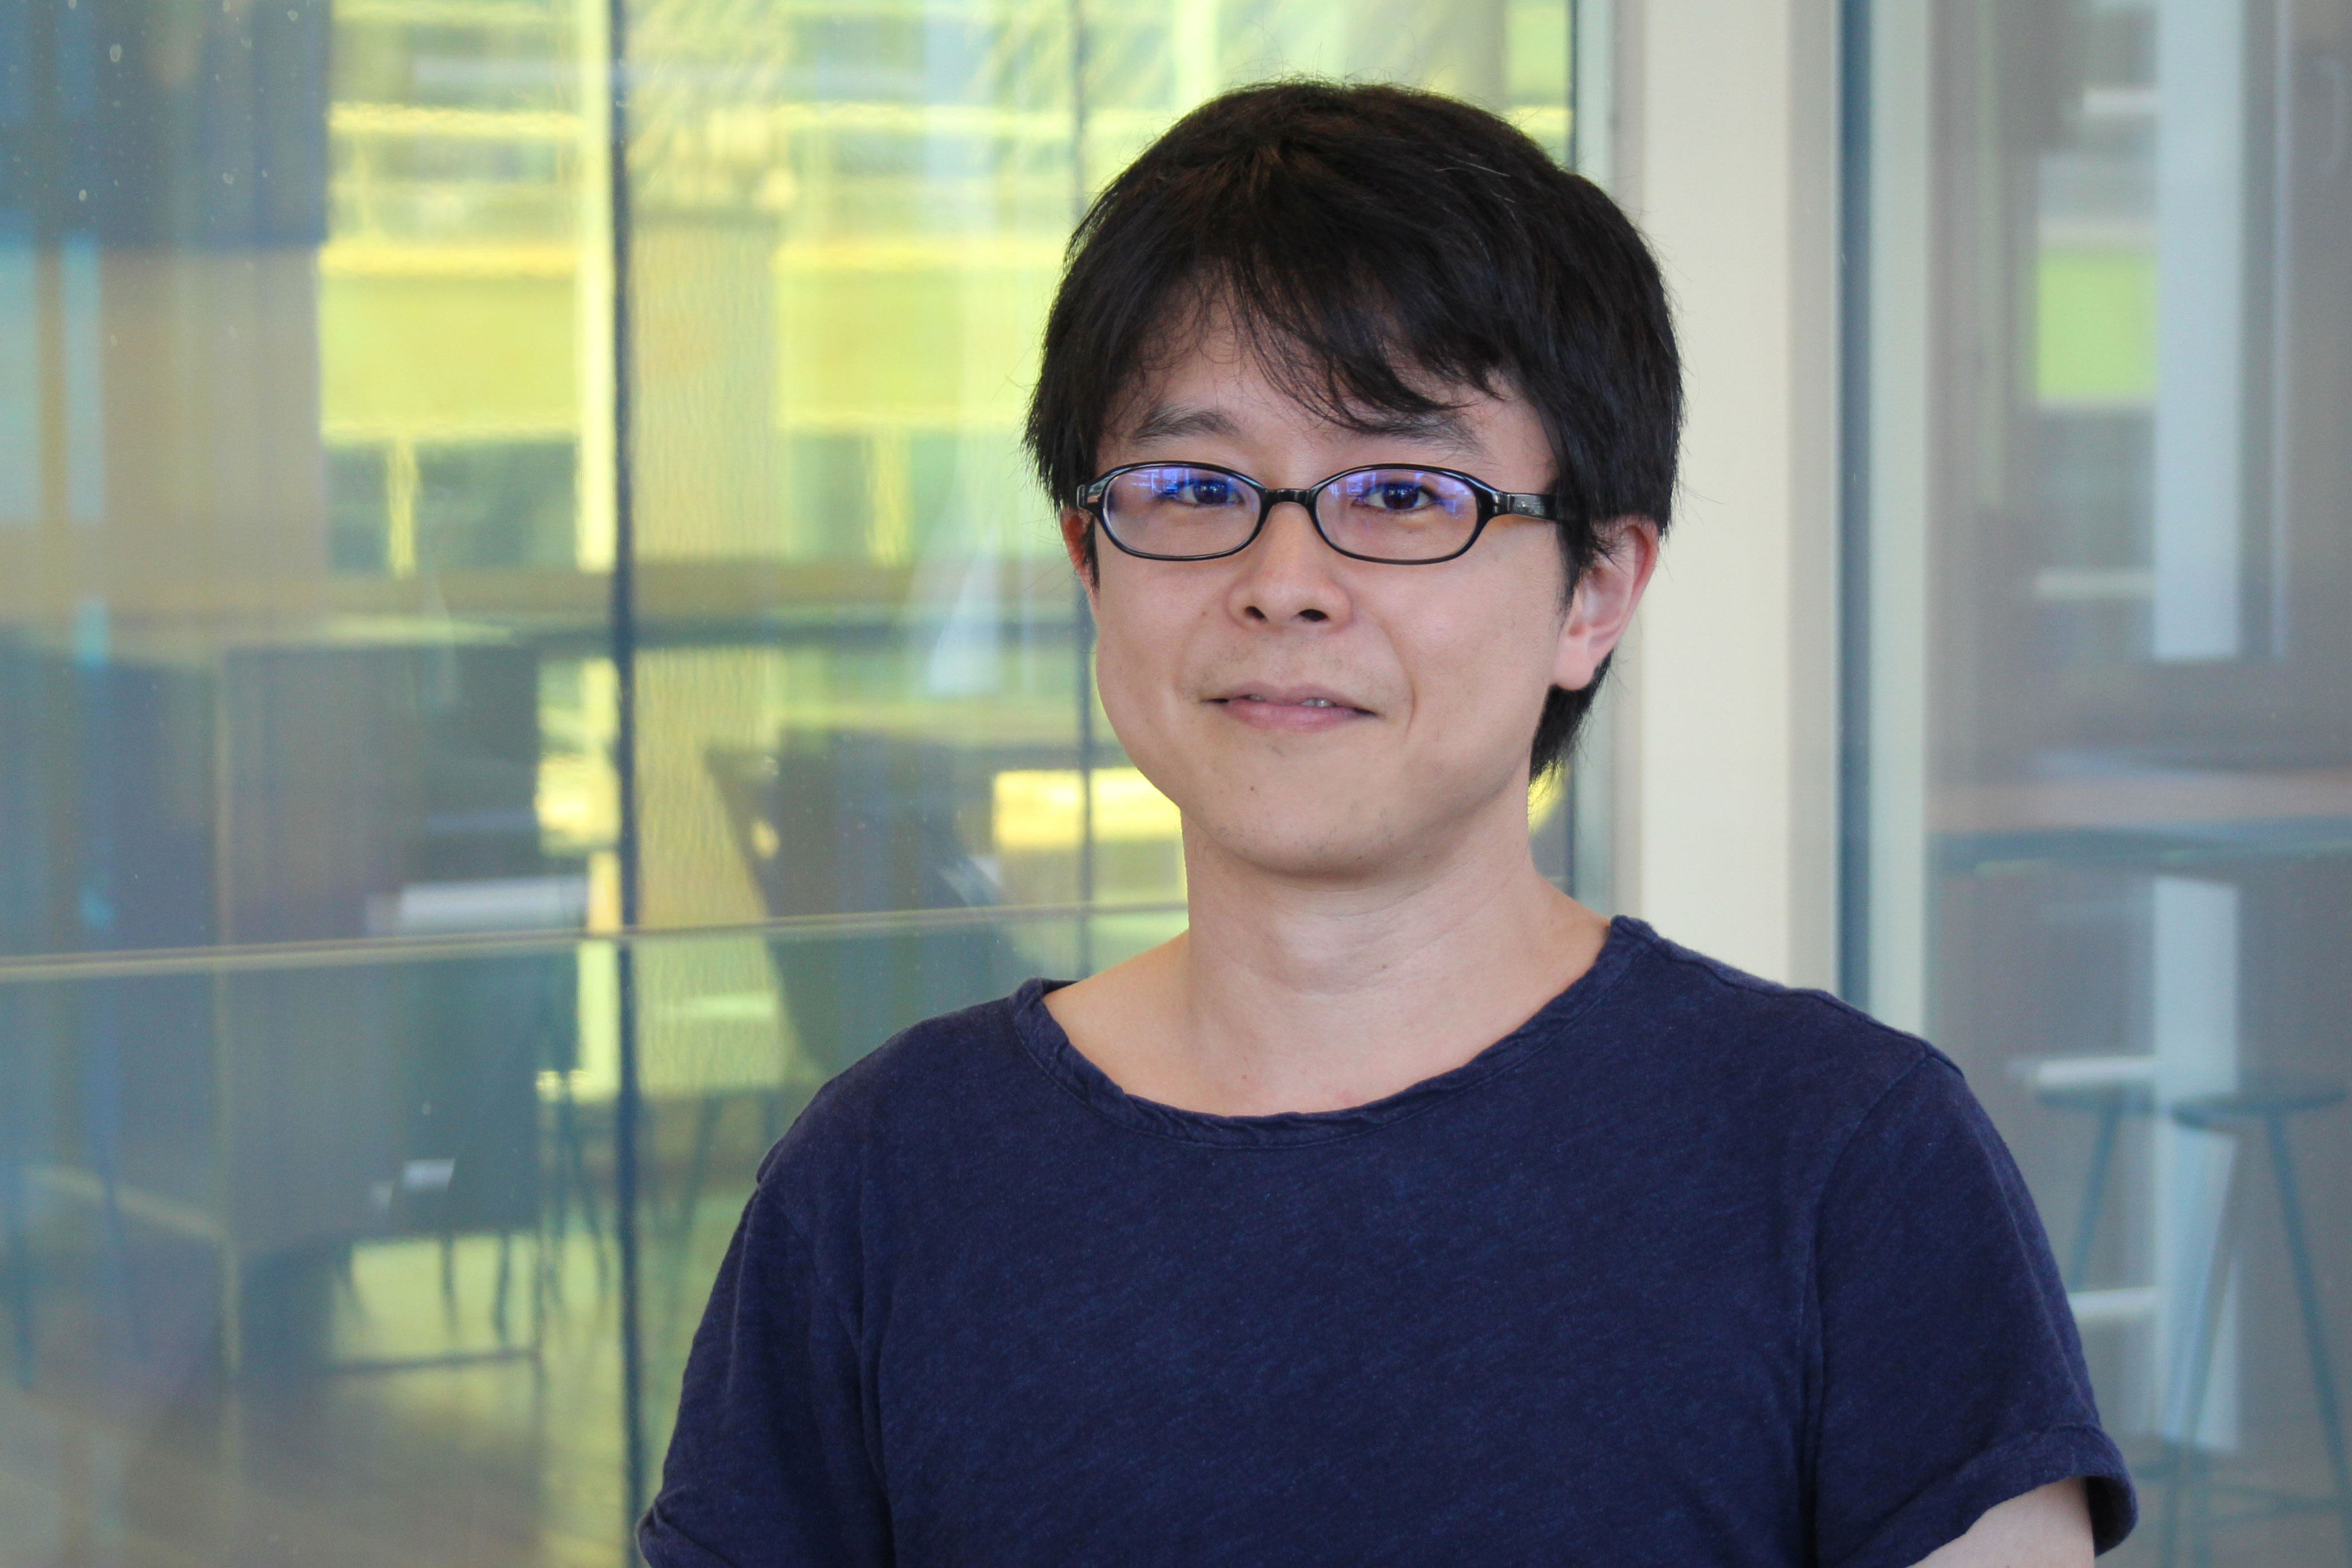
point(1395, 514)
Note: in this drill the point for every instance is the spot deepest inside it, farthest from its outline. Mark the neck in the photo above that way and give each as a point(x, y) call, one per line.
point(1292, 994)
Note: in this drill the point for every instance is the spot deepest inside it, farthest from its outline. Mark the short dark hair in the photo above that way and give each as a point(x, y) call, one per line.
point(1365, 241)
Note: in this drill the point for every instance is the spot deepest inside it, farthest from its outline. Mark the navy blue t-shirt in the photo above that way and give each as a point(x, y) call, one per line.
point(1690, 1269)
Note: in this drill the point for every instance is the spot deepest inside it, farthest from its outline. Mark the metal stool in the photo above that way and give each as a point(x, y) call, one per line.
point(2261, 1104)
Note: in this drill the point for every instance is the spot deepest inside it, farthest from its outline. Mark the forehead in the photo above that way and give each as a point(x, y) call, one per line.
point(1205, 379)
point(1183, 411)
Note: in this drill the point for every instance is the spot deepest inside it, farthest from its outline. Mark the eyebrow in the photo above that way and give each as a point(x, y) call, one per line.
point(1165, 423)
point(1442, 426)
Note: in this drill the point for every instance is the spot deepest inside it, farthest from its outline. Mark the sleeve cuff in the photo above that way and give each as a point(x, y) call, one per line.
point(1944, 1513)
point(663, 1546)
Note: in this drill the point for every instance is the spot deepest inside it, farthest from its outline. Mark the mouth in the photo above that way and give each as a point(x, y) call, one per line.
point(1296, 707)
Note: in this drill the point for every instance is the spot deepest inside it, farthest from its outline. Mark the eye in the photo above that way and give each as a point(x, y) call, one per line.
point(1196, 490)
point(1391, 493)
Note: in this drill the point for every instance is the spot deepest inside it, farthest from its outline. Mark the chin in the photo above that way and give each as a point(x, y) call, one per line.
point(1339, 842)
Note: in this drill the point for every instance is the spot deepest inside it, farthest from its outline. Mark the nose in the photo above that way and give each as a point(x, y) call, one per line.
point(1287, 575)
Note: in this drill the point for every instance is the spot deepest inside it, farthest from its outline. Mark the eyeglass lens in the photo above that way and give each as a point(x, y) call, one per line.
point(1387, 514)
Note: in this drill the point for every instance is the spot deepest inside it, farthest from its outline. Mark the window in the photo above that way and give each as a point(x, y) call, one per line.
point(2102, 816)
point(506, 692)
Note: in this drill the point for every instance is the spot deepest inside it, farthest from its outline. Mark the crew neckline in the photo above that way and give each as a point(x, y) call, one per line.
point(1042, 1037)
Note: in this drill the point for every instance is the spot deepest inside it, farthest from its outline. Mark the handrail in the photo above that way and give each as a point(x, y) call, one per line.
point(355, 951)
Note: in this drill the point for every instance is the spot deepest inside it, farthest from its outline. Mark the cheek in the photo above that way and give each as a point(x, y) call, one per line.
point(1120, 690)
point(1116, 676)
point(1485, 663)
point(1137, 664)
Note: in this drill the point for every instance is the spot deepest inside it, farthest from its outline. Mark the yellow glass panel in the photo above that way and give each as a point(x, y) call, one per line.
point(1039, 808)
point(465, 355)
point(2096, 324)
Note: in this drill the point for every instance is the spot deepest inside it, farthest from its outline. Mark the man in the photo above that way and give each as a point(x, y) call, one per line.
point(1402, 1210)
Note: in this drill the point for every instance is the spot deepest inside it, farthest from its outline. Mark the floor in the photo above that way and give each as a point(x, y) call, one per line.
point(444, 1449)
point(130, 1449)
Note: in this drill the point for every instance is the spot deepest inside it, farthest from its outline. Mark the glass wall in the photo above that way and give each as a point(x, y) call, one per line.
point(513, 671)
point(2100, 682)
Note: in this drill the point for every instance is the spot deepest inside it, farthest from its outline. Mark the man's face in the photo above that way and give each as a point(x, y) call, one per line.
point(1314, 716)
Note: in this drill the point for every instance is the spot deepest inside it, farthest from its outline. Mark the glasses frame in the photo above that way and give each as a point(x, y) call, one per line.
point(1492, 504)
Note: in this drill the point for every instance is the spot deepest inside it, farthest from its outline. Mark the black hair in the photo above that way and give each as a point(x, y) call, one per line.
point(1369, 244)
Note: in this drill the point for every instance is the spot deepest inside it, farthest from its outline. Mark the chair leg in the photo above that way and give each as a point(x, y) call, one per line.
point(698, 1168)
point(20, 1268)
point(2315, 1329)
point(649, 1183)
point(102, 1129)
point(572, 1177)
point(499, 1291)
point(16, 1098)
point(538, 1287)
point(690, 1201)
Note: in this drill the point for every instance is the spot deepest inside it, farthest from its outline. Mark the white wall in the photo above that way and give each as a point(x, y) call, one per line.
point(1724, 150)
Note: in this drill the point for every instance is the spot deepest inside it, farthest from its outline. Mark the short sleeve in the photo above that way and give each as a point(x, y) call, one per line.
point(1951, 1378)
point(768, 1465)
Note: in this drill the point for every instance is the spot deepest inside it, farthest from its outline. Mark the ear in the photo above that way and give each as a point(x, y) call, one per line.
point(1078, 532)
point(1605, 599)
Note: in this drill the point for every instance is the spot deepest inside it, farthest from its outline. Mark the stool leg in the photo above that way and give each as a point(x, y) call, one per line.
point(2095, 1191)
point(2205, 1334)
point(2314, 1329)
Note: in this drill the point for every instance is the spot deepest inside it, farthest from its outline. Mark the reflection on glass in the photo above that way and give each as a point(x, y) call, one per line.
point(2111, 782)
point(316, 1241)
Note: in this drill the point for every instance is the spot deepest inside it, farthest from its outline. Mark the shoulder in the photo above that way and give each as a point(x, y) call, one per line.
point(1801, 1056)
point(1686, 993)
point(909, 1094)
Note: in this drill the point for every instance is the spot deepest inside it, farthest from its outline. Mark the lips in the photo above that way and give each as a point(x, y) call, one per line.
point(1313, 698)
point(1290, 710)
